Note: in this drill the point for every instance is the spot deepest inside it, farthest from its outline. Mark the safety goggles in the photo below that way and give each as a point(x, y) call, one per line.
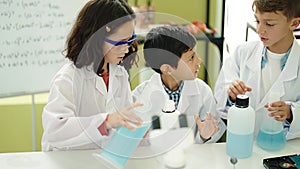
point(118, 43)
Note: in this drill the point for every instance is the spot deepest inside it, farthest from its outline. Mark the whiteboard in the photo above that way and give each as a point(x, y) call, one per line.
point(32, 38)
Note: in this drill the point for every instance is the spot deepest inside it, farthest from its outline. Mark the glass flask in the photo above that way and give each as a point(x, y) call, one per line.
point(271, 135)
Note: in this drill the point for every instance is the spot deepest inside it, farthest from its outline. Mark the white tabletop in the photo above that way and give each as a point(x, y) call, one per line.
point(213, 156)
point(204, 156)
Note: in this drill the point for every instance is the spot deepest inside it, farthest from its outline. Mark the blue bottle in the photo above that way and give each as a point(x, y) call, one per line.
point(122, 145)
point(124, 142)
point(240, 128)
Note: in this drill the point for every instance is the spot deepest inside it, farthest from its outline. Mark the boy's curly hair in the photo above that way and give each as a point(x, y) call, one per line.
point(289, 8)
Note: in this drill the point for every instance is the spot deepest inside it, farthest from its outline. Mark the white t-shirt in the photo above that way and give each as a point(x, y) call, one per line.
point(271, 71)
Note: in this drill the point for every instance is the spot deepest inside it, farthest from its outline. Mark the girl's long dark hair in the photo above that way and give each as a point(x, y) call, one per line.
point(85, 41)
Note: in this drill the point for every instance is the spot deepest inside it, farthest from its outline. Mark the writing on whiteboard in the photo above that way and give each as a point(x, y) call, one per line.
point(33, 35)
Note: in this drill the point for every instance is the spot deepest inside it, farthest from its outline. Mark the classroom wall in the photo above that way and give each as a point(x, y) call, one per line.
point(15, 112)
point(16, 122)
point(188, 9)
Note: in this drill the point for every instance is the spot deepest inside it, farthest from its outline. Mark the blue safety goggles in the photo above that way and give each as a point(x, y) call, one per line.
point(118, 43)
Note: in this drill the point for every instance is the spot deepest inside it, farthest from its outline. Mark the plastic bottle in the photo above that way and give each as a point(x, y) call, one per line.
point(240, 128)
point(169, 118)
point(271, 135)
point(124, 142)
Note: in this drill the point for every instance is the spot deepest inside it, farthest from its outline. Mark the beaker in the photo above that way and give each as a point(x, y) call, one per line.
point(271, 135)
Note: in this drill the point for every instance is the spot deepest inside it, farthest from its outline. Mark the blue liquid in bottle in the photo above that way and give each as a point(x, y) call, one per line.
point(270, 140)
point(239, 146)
point(122, 144)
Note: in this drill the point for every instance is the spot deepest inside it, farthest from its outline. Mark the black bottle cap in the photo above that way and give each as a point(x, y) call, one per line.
point(182, 121)
point(155, 122)
point(242, 101)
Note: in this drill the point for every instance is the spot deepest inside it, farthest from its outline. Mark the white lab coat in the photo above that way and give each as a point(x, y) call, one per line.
point(78, 103)
point(245, 64)
point(196, 98)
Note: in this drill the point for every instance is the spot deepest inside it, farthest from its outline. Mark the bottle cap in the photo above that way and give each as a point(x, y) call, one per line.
point(169, 107)
point(242, 101)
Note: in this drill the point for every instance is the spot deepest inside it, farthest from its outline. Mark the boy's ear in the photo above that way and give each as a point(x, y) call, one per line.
point(295, 23)
point(165, 69)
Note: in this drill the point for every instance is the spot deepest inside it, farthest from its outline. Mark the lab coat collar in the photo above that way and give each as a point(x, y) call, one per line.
point(254, 66)
point(156, 78)
point(88, 72)
point(189, 86)
point(114, 71)
point(190, 89)
point(254, 63)
point(183, 102)
point(290, 70)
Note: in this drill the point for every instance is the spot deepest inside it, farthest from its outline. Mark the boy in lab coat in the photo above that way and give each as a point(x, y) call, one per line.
point(171, 53)
point(267, 68)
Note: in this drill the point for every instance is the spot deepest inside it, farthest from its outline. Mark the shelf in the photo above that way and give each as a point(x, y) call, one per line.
point(217, 40)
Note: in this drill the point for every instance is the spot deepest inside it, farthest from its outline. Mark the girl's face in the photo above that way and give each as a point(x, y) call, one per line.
point(113, 52)
point(273, 29)
point(188, 66)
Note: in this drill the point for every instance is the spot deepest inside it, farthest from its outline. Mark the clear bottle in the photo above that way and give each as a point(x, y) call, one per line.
point(169, 118)
point(240, 128)
point(271, 135)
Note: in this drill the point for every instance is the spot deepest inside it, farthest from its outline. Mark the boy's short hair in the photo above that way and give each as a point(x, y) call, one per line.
point(289, 8)
point(165, 45)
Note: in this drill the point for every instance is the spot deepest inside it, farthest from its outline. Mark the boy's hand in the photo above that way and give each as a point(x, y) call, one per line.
point(122, 117)
point(208, 127)
point(237, 87)
point(279, 110)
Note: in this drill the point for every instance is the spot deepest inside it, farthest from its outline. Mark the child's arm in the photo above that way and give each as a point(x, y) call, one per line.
point(208, 127)
point(122, 117)
point(237, 87)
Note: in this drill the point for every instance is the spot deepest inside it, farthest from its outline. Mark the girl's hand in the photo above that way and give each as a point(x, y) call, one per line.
point(208, 127)
point(122, 117)
point(279, 110)
point(237, 87)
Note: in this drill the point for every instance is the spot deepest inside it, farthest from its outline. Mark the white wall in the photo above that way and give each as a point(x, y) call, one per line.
point(237, 14)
